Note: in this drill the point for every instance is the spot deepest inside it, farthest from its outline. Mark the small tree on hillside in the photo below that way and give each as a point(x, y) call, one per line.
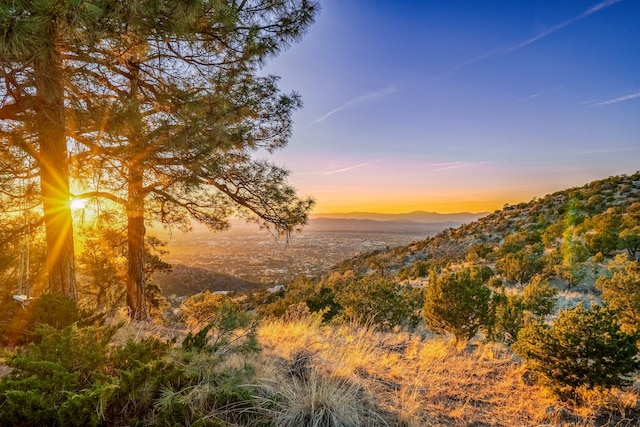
point(457, 302)
point(379, 301)
point(621, 291)
point(511, 311)
point(538, 297)
point(520, 266)
point(574, 254)
point(602, 232)
point(583, 348)
point(630, 241)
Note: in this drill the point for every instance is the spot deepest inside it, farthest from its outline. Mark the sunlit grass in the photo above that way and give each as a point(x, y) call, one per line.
point(312, 374)
point(413, 379)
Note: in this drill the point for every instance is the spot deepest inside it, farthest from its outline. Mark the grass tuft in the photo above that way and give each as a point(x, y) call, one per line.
point(348, 374)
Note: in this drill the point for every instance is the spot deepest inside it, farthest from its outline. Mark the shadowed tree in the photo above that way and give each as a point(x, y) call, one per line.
point(35, 39)
point(602, 232)
point(582, 348)
point(181, 112)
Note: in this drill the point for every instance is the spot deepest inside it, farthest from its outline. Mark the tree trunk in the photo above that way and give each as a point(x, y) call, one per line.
point(135, 205)
point(54, 174)
point(135, 246)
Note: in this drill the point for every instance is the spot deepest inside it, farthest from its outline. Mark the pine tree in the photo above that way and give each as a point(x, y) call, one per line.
point(583, 348)
point(36, 38)
point(180, 113)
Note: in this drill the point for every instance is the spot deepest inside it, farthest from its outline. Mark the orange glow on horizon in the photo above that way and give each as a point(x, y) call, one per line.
point(433, 203)
point(395, 187)
point(406, 207)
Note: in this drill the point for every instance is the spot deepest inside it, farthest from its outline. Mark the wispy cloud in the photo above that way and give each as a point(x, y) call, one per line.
point(510, 49)
point(350, 168)
point(616, 100)
point(536, 95)
point(607, 150)
point(560, 26)
point(378, 94)
point(445, 166)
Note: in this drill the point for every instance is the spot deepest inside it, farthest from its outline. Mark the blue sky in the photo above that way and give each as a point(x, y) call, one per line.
point(461, 105)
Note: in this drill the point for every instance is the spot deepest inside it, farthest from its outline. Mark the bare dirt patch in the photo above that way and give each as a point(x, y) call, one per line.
point(5, 370)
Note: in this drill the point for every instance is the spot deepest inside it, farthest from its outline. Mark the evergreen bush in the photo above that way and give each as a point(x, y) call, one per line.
point(583, 348)
point(57, 381)
point(511, 311)
point(458, 302)
point(380, 302)
point(79, 377)
point(19, 323)
point(621, 290)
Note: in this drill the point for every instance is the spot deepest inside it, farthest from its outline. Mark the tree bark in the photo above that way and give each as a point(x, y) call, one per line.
point(54, 173)
point(135, 204)
point(135, 246)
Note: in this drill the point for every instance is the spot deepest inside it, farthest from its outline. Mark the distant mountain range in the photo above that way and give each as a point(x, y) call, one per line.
point(416, 216)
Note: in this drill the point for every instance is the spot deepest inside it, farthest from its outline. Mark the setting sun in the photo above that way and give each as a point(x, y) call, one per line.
point(77, 204)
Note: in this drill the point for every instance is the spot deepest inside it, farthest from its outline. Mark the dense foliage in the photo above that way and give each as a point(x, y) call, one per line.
point(621, 290)
point(510, 311)
point(78, 376)
point(458, 302)
point(583, 348)
point(156, 111)
point(18, 323)
point(370, 300)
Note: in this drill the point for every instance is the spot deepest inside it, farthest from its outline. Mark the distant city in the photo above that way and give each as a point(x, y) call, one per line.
point(245, 256)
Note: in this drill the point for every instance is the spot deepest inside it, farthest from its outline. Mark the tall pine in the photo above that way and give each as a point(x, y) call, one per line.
point(181, 111)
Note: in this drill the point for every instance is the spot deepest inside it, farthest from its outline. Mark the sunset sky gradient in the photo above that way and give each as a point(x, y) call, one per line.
point(461, 105)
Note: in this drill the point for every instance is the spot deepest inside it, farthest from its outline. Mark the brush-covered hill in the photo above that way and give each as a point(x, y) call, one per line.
point(568, 235)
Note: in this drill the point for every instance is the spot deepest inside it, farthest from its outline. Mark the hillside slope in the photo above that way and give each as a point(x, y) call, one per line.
point(570, 234)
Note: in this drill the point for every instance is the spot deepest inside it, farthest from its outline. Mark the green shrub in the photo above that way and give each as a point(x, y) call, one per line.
point(621, 291)
point(583, 348)
point(141, 370)
point(58, 380)
point(373, 299)
point(520, 266)
point(538, 297)
point(507, 316)
point(510, 312)
point(55, 310)
point(79, 377)
point(19, 323)
point(379, 301)
point(231, 330)
point(630, 241)
point(204, 391)
point(457, 302)
point(316, 295)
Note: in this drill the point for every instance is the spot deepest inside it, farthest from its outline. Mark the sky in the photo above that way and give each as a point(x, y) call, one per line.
point(451, 105)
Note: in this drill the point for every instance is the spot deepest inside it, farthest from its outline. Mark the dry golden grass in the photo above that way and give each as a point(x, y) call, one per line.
point(408, 379)
point(309, 374)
